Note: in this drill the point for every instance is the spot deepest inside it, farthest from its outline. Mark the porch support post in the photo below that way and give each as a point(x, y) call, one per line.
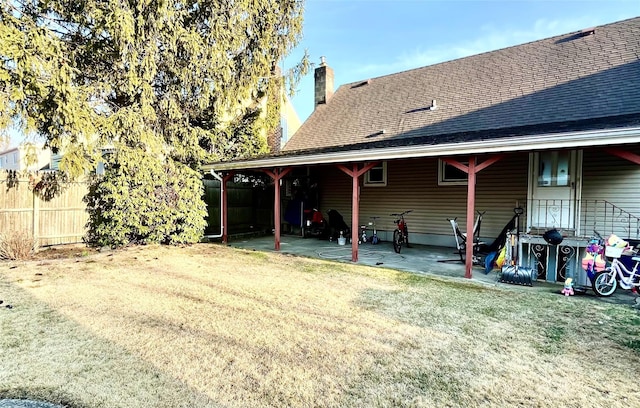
point(472, 169)
point(355, 212)
point(225, 206)
point(277, 175)
point(471, 202)
point(355, 174)
point(623, 154)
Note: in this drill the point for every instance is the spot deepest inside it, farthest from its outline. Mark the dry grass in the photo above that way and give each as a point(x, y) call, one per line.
point(208, 325)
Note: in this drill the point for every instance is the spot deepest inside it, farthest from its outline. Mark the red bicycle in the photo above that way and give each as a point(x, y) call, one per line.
point(401, 233)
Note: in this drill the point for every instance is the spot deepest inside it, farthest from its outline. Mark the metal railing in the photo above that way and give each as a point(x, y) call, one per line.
point(580, 218)
point(608, 218)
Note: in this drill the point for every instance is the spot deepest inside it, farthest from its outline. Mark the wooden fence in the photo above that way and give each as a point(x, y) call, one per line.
point(61, 220)
point(250, 208)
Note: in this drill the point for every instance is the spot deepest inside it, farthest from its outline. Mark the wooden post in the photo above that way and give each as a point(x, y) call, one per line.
point(471, 202)
point(35, 217)
point(355, 212)
point(623, 154)
point(355, 174)
point(277, 175)
point(472, 169)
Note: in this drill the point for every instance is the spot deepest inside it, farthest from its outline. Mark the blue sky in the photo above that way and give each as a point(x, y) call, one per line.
point(364, 39)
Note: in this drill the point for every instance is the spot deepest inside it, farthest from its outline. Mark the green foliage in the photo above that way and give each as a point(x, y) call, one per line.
point(48, 185)
point(181, 79)
point(142, 199)
point(172, 83)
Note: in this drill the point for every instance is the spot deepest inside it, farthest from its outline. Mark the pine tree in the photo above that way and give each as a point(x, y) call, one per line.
point(163, 80)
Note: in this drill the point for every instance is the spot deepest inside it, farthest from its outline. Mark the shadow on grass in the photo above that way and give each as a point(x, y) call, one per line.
point(48, 357)
point(39, 395)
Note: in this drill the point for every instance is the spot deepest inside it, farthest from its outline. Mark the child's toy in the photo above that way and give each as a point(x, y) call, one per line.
point(593, 260)
point(568, 287)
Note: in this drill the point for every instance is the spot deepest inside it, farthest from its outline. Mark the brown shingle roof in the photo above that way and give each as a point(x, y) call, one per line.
point(569, 78)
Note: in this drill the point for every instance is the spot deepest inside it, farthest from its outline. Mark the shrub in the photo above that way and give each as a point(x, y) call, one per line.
point(17, 245)
point(142, 199)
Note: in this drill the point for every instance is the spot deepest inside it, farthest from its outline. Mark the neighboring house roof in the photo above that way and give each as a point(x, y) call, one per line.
point(583, 81)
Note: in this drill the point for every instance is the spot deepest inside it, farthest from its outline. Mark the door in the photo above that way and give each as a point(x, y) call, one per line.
point(553, 193)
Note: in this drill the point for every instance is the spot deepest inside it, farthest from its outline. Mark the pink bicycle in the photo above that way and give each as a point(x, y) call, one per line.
point(625, 274)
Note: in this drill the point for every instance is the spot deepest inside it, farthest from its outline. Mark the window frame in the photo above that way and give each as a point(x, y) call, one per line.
point(383, 182)
point(442, 181)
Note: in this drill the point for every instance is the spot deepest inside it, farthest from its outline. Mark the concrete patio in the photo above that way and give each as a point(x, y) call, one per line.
point(420, 259)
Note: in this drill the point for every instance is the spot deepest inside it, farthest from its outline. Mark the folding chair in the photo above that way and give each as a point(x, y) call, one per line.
point(461, 240)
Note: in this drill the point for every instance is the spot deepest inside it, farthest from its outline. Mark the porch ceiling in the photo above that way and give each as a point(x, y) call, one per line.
point(521, 143)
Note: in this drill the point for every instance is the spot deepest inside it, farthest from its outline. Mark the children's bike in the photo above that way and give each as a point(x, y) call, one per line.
point(373, 239)
point(363, 235)
point(624, 273)
point(401, 233)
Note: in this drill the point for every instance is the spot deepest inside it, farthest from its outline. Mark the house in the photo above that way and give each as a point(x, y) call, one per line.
point(26, 157)
point(550, 126)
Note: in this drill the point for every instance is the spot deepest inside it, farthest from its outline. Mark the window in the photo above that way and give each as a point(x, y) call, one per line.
point(449, 175)
point(553, 169)
point(376, 176)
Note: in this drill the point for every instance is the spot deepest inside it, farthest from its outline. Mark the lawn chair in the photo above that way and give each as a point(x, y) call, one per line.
point(461, 240)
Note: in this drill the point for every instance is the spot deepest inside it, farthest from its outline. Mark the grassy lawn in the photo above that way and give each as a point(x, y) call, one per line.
point(208, 326)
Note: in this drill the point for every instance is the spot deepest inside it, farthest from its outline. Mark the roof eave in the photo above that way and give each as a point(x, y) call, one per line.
point(566, 140)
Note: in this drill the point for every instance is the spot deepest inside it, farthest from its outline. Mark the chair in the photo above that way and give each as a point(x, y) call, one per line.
point(461, 240)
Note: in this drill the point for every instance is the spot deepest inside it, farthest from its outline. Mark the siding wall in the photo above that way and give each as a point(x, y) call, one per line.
point(615, 180)
point(413, 185)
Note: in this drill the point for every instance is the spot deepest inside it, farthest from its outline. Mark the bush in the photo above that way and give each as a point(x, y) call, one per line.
point(142, 200)
point(17, 245)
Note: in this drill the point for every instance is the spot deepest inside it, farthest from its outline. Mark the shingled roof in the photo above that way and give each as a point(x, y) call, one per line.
point(570, 82)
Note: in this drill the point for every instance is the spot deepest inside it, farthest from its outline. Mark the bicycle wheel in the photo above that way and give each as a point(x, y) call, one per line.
point(605, 283)
point(397, 241)
point(405, 237)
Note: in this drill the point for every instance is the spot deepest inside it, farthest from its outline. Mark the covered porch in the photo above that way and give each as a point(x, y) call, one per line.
point(442, 202)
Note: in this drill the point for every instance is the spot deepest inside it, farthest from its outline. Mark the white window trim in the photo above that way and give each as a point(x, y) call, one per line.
point(383, 183)
point(443, 182)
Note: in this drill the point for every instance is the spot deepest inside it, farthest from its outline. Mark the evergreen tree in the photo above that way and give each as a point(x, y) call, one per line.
point(170, 81)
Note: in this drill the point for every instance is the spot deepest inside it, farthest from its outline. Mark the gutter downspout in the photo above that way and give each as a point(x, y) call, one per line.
point(222, 183)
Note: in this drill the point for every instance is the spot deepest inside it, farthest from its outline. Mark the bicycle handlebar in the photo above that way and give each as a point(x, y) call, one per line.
point(400, 214)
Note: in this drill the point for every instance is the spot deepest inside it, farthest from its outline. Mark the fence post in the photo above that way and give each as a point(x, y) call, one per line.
point(36, 216)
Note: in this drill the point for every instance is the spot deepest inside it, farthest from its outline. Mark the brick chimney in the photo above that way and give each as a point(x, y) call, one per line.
point(324, 83)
